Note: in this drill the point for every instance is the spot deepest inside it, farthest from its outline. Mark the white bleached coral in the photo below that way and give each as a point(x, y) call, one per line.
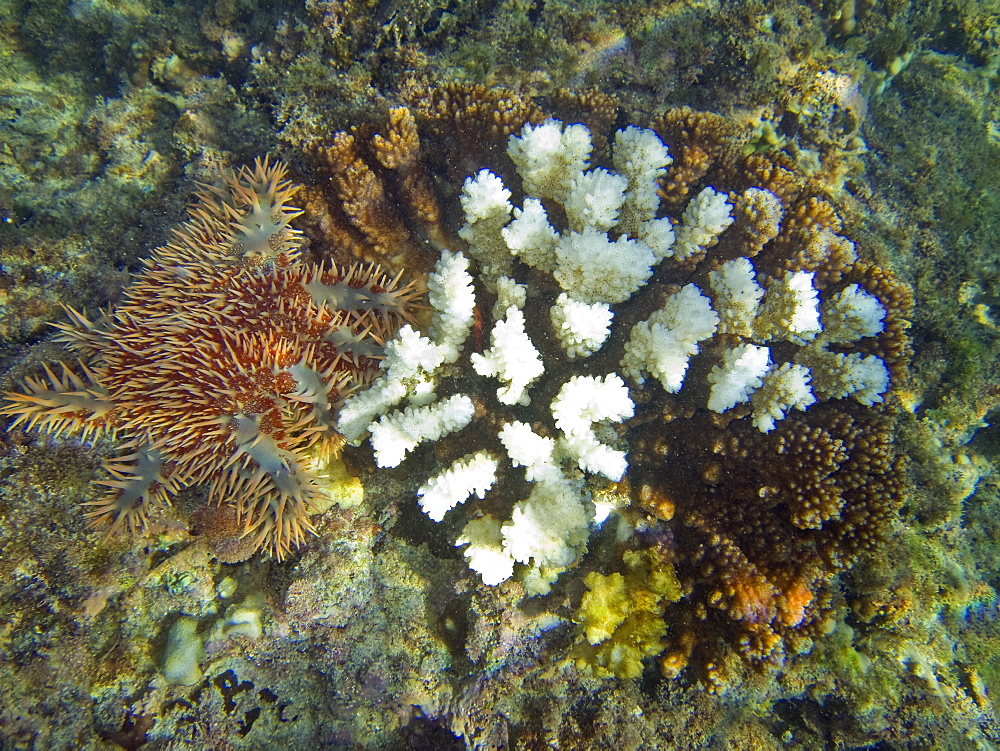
point(549, 157)
point(852, 314)
point(549, 527)
point(472, 474)
point(589, 265)
point(598, 237)
point(836, 375)
point(580, 328)
point(790, 310)
point(785, 387)
point(737, 296)
point(583, 401)
point(510, 294)
point(487, 209)
point(642, 158)
point(741, 372)
point(594, 200)
point(450, 293)
point(530, 236)
point(408, 370)
point(663, 343)
point(704, 219)
point(528, 449)
point(399, 432)
point(593, 269)
point(485, 552)
point(513, 359)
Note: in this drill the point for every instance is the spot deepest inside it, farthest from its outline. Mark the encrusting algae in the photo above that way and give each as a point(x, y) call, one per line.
point(224, 364)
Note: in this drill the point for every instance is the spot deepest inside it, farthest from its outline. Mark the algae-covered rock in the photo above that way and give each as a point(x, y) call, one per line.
point(183, 653)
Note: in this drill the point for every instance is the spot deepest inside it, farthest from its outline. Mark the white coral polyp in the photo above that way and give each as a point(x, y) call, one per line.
point(593, 456)
point(790, 310)
point(580, 328)
point(513, 359)
point(641, 157)
point(549, 157)
point(487, 209)
point(408, 371)
point(530, 237)
point(742, 371)
point(593, 269)
point(484, 198)
point(485, 552)
point(451, 295)
point(594, 200)
point(663, 344)
point(583, 401)
point(705, 217)
point(659, 235)
point(399, 432)
point(472, 474)
point(785, 387)
point(737, 296)
point(528, 449)
point(510, 294)
point(852, 314)
point(549, 526)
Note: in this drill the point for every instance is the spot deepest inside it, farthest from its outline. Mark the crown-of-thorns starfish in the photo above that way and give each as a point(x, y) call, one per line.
point(223, 364)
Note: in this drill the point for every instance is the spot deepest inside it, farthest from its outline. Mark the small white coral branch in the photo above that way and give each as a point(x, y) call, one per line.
point(580, 328)
point(785, 387)
point(451, 295)
point(487, 209)
point(737, 296)
point(640, 157)
point(790, 310)
point(513, 359)
point(408, 368)
point(472, 474)
point(485, 552)
point(548, 157)
point(742, 372)
point(399, 432)
point(663, 344)
point(530, 236)
point(852, 314)
point(581, 402)
point(705, 217)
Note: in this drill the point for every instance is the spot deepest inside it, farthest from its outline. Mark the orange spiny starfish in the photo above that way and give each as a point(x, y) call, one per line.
point(223, 363)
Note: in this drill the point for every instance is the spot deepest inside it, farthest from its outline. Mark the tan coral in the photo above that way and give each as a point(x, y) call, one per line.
point(697, 141)
point(400, 152)
point(362, 194)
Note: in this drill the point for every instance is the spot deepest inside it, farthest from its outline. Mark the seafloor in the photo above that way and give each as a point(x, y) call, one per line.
point(375, 634)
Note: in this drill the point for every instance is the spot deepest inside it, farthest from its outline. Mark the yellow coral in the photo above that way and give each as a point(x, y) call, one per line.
point(622, 616)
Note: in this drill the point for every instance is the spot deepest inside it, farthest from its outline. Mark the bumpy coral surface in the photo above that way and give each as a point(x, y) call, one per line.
point(757, 455)
point(761, 456)
point(223, 364)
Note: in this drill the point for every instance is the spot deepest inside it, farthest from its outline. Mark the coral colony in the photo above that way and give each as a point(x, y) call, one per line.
point(609, 248)
point(224, 364)
point(685, 333)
